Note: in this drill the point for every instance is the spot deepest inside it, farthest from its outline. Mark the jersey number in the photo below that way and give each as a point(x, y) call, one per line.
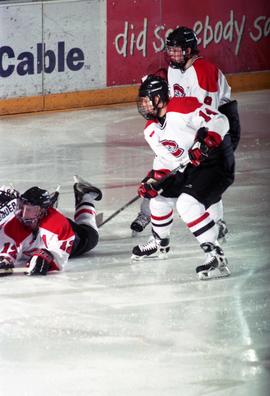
point(208, 114)
point(67, 246)
point(208, 100)
point(9, 249)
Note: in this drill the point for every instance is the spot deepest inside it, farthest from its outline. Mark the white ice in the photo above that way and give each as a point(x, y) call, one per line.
point(109, 327)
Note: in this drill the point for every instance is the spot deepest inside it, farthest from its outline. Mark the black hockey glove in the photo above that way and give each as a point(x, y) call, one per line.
point(40, 262)
point(197, 153)
point(6, 266)
point(204, 141)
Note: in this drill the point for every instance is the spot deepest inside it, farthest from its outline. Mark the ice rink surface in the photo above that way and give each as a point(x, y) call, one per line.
point(109, 327)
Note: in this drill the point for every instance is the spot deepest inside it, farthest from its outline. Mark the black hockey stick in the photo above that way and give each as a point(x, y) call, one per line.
point(155, 185)
point(119, 210)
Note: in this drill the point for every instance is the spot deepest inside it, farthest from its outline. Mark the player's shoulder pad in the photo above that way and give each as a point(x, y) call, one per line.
point(207, 74)
point(15, 230)
point(149, 122)
point(184, 105)
point(57, 223)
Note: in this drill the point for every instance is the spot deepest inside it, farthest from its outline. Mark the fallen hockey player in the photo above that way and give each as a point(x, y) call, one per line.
point(37, 236)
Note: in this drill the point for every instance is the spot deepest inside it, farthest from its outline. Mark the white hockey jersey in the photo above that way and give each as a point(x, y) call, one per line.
point(203, 80)
point(8, 204)
point(172, 140)
point(7, 211)
point(55, 234)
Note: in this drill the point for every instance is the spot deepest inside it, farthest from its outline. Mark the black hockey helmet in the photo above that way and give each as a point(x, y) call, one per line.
point(152, 87)
point(37, 196)
point(33, 205)
point(183, 37)
point(178, 41)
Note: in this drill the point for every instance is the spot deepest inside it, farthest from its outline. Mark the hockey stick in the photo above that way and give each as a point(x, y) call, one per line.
point(154, 185)
point(119, 210)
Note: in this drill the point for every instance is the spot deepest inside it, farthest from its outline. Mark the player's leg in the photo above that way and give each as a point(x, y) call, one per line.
point(205, 230)
point(217, 213)
point(84, 224)
point(143, 217)
point(161, 220)
point(204, 187)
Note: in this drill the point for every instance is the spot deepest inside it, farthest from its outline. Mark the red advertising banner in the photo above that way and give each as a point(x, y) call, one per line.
point(234, 35)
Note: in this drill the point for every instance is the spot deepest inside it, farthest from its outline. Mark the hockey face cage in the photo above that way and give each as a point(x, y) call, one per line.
point(29, 214)
point(33, 205)
point(176, 45)
point(146, 108)
point(152, 91)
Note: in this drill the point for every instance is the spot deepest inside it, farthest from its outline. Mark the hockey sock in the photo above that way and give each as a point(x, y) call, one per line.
point(197, 219)
point(85, 213)
point(145, 209)
point(216, 211)
point(162, 211)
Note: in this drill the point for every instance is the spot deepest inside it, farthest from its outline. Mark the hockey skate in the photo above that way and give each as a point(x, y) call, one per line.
point(6, 268)
point(139, 224)
point(154, 248)
point(215, 265)
point(82, 187)
point(222, 231)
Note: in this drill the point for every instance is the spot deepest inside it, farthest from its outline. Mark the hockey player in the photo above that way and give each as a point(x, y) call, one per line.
point(184, 130)
point(189, 74)
point(41, 238)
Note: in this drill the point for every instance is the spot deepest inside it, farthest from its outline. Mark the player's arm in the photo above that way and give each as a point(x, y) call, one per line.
point(8, 254)
point(211, 127)
point(52, 258)
point(224, 89)
point(164, 156)
point(57, 240)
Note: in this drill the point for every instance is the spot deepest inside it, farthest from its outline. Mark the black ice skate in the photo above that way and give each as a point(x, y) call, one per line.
point(139, 224)
point(82, 187)
point(222, 231)
point(215, 265)
point(154, 248)
point(6, 267)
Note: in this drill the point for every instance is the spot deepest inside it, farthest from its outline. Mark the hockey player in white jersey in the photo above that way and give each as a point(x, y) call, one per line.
point(189, 74)
point(39, 237)
point(184, 130)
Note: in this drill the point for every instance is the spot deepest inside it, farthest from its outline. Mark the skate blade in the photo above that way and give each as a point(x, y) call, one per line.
point(154, 257)
point(78, 179)
point(6, 272)
point(99, 218)
point(143, 258)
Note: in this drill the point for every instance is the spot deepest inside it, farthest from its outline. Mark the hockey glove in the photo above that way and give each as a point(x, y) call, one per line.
point(197, 153)
point(6, 266)
point(157, 175)
point(204, 141)
point(146, 190)
point(150, 184)
point(40, 262)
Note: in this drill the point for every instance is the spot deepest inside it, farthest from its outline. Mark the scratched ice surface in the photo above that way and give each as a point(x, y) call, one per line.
point(109, 327)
